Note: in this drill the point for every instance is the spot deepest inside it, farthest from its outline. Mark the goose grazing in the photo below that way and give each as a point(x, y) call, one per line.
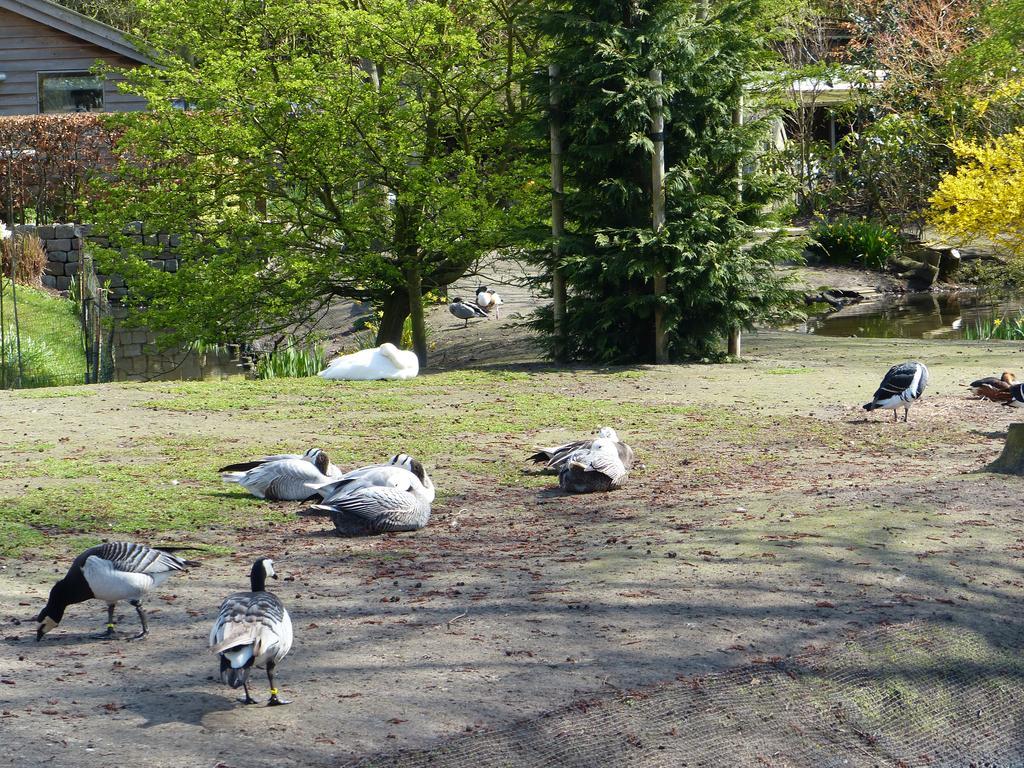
point(384, 362)
point(378, 499)
point(555, 458)
point(283, 479)
point(252, 629)
point(597, 468)
point(314, 456)
point(109, 572)
point(902, 385)
point(991, 388)
point(465, 311)
point(487, 300)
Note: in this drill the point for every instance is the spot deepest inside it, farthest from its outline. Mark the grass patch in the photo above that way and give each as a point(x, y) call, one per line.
point(52, 351)
point(788, 371)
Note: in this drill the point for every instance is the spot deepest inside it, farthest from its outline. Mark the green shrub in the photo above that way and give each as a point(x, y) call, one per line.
point(1006, 328)
point(855, 242)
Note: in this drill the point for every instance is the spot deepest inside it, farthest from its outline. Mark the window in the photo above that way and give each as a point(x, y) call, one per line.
point(70, 92)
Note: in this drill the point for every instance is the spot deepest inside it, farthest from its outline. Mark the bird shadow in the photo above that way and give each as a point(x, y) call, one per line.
point(995, 435)
point(187, 708)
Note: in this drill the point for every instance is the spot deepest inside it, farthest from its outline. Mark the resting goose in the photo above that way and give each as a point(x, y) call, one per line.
point(384, 362)
point(903, 384)
point(1016, 396)
point(314, 456)
point(379, 499)
point(555, 458)
point(253, 629)
point(597, 468)
point(992, 388)
point(109, 572)
point(465, 311)
point(487, 300)
point(284, 479)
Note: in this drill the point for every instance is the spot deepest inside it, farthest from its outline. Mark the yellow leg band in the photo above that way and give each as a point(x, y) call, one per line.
point(273, 691)
point(111, 626)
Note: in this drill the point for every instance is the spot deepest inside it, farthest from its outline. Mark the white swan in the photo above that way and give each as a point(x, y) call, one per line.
point(384, 362)
point(597, 468)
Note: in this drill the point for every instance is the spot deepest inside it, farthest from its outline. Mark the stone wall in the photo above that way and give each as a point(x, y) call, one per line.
point(135, 352)
point(64, 244)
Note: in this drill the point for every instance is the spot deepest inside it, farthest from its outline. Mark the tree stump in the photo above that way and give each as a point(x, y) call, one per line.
point(1011, 460)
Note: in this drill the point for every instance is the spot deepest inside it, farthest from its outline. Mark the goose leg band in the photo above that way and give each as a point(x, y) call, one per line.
point(111, 626)
point(273, 691)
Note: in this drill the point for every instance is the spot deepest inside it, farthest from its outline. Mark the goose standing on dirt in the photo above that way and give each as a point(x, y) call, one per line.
point(313, 456)
point(378, 499)
point(597, 468)
point(902, 385)
point(555, 458)
point(109, 572)
point(384, 362)
point(991, 388)
point(487, 300)
point(253, 629)
point(284, 479)
point(465, 311)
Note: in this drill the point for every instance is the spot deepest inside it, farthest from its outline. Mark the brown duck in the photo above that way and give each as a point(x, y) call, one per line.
point(992, 388)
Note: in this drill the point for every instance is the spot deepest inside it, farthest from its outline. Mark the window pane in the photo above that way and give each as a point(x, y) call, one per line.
point(70, 92)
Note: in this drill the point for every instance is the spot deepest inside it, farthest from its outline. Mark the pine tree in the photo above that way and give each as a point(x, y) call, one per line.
point(720, 266)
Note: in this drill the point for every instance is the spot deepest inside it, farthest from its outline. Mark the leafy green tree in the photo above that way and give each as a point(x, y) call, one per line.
point(370, 151)
point(719, 247)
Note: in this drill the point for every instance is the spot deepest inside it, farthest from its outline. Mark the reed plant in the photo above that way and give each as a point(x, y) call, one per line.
point(292, 361)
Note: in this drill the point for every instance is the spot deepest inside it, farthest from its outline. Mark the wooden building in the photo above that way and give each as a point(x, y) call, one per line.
point(46, 53)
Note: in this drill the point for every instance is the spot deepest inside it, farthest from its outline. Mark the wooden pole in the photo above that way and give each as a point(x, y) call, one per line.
point(658, 218)
point(558, 289)
point(735, 332)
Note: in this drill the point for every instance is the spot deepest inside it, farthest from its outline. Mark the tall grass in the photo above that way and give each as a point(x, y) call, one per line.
point(292, 362)
point(1008, 329)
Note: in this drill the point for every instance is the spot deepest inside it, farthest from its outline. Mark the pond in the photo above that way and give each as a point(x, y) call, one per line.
point(915, 315)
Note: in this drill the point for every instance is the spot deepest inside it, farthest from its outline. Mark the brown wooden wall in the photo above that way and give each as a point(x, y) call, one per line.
point(28, 47)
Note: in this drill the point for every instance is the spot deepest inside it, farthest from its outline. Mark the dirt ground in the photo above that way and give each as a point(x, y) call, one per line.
point(771, 518)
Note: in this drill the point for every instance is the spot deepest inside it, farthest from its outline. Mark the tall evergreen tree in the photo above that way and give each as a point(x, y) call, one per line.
point(719, 246)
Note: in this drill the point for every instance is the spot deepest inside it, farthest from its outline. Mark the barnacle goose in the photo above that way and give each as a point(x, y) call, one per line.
point(379, 498)
point(992, 388)
point(1016, 396)
point(597, 468)
point(903, 384)
point(555, 458)
point(315, 456)
point(487, 300)
point(109, 572)
point(252, 629)
point(465, 311)
point(283, 479)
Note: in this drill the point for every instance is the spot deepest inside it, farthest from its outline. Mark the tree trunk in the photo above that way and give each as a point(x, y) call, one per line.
point(658, 220)
point(1011, 460)
point(396, 309)
point(414, 283)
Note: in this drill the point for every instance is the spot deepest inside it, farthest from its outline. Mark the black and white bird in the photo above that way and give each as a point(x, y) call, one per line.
point(597, 468)
point(316, 456)
point(992, 388)
point(283, 478)
point(110, 572)
point(378, 499)
point(1016, 396)
point(465, 311)
point(902, 385)
point(487, 300)
point(555, 458)
point(252, 629)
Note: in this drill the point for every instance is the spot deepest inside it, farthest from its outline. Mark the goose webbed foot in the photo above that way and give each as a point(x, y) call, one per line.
point(109, 634)
point(276, 702)
point(248, 699)
point(142, 635)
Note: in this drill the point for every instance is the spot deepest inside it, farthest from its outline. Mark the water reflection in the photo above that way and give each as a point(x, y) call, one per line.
point(915, 315)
